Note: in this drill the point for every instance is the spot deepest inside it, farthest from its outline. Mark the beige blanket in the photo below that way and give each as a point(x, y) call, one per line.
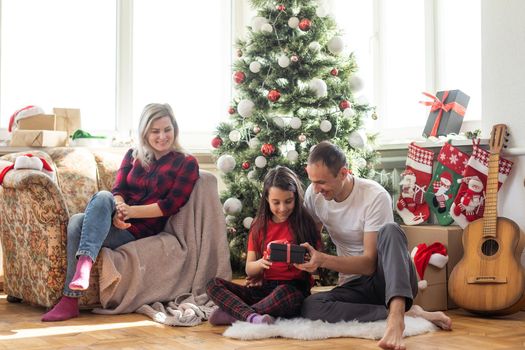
point(192, 250)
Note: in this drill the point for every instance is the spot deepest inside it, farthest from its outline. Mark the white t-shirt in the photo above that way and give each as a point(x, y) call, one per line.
point(367, 209)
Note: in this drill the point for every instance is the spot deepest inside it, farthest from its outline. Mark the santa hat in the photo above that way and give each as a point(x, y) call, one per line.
point(434, 254)
point(22, 113)
point(446, 178)
point(28, 161)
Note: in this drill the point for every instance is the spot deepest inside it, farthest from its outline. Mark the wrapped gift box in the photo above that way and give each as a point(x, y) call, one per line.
point(289, 253)
point(435, 296)
point(446, 112)
point(38, 138)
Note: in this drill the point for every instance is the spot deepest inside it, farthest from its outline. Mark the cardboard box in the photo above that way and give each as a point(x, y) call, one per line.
point(38, 138)
point(447, 120)
point(451, 238)
point(68, 119)
point(40, 122)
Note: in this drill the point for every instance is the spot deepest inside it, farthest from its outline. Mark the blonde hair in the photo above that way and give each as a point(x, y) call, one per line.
point(153, 111)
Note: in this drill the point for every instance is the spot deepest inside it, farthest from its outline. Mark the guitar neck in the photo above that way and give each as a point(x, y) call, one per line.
point(491, 197)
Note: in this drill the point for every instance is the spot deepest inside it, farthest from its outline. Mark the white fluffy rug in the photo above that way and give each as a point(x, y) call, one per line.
point(303, 329)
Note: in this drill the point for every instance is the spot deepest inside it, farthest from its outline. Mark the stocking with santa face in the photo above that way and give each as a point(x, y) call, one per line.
point(445, 182)
point(469, 202)
point(415, 179)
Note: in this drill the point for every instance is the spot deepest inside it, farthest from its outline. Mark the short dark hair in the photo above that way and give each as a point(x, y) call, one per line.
point(330, 155)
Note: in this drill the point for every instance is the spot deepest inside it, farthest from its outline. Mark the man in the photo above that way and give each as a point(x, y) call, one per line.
point(377, 279)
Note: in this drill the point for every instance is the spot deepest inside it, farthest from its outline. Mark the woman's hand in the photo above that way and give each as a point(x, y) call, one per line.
point(314, 259)
point(119, 223)
point(124, 211)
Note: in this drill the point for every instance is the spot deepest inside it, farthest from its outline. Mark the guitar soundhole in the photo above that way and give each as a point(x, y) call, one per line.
point(490, 247)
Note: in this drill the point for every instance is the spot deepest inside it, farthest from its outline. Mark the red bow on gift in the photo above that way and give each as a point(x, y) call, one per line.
point(438, 104)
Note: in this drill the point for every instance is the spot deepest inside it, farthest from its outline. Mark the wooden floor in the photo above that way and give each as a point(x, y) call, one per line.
point(20, 328)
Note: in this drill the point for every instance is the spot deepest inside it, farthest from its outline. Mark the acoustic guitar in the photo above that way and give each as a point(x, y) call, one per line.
point(489, 279)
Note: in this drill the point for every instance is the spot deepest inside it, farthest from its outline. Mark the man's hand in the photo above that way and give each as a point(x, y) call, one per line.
point(313, 257)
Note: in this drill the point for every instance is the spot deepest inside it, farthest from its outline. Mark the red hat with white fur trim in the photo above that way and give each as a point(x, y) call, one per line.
point(23, 113)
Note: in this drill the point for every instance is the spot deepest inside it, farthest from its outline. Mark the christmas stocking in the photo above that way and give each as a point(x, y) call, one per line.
point(423, 255)
point(469, 202)
point(444, 185)
point(414, 182)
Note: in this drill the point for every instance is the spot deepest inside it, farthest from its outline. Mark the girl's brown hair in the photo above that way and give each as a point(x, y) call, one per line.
point(301, 223)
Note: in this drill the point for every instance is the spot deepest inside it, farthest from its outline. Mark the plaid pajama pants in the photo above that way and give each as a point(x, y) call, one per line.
point(275, 298)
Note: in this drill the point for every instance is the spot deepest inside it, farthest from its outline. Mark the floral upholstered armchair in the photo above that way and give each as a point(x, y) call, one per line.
point(34, 213)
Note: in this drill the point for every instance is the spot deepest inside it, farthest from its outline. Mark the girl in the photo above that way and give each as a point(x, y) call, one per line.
point(154, 181)
point(273, 289)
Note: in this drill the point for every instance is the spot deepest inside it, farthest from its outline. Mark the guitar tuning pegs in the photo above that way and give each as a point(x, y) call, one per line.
point(505, 146)
point(507, 134)
point(506, 140)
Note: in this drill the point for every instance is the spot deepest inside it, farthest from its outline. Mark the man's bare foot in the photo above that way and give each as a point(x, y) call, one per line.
point(436, 317)
point(395, 325)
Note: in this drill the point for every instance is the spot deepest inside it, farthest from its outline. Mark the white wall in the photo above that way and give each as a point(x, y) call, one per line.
point(503, 93)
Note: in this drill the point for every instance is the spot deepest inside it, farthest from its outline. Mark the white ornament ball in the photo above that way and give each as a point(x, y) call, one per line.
point(266, 27)
point(336, 45)
point(247, 222)
point(255, 67)
point(234, 136)
point(292, 155)
point(232, 206)
point(301, 138)
point(257, 23)
point(321, 11)
point(314, 46)
point(226, 163)
point(230, 219)
point(360, 163)
point(325, 126)
point(293, 22)
point(319, 87)
point(356, 83)
point(283, 61)
point(295, 123)
point(260, 162)
point(357, 139)
point(254, 143)
point(245, 108)
point(348, 112)
point(251, 175)
point(279, 122)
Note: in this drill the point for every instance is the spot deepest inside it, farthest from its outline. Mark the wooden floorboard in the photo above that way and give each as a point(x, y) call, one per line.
point(20, 328)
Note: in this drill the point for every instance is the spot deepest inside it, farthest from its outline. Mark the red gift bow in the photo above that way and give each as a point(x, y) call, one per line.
point(438, 104)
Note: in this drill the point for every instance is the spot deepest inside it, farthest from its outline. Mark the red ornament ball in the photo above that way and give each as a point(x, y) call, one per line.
point(216, 142)
point(344, 104)
point(305, 24)
point(274, 95)
point(294, 58)
point(281, 7)
point(267, 149)
point(246, 165)
point(231, 110)
point(239, 77)
point(334, 72)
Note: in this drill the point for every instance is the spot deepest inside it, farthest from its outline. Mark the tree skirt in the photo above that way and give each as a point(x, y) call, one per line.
point(304, 329)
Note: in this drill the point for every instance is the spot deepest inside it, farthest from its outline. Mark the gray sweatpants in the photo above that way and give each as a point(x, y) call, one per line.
point(367, 297)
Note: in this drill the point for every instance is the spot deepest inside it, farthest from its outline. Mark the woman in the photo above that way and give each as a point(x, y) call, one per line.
point(154, 181)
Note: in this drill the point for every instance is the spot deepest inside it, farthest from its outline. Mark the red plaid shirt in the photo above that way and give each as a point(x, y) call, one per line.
point(168, 183)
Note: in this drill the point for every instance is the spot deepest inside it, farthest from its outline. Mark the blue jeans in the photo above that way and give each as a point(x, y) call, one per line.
point(88, 232)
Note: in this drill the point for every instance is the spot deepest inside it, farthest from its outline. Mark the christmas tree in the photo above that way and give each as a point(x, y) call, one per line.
point(295, 87)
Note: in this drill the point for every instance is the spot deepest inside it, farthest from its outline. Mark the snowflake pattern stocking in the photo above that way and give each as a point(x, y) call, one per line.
point(445, 182)
point(414, 182)
point(469, 202)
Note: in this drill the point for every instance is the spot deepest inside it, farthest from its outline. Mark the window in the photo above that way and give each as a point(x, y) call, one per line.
point(406, 47)
point(111, 58)
point(59, 53)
